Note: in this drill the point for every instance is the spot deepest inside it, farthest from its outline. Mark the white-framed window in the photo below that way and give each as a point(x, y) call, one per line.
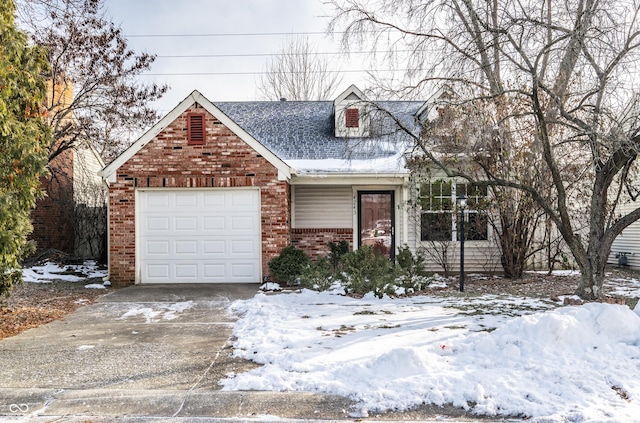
point(439, 214)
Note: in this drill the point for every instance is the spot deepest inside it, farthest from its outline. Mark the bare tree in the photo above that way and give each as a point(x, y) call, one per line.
point(299, 73)
point(554, 78)
point(514, 225)
point(94, 94)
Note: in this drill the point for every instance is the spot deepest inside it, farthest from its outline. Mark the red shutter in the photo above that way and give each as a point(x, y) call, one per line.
point(352, 118)
point(195, 128)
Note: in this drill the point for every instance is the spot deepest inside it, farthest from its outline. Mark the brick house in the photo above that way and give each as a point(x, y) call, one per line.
point(214, 191)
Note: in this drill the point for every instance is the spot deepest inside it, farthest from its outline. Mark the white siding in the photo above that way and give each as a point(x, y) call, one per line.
point(322, 207)
point(88, 187)
point(628, 241)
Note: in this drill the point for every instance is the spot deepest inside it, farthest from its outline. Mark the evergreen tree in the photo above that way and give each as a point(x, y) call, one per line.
point(24, 139)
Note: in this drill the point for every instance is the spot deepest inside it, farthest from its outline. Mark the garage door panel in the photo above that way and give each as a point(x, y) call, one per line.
point(157, 224)
point(160, 200)
point(200, 236)
point(213, 247)
point(213, 223)
point(185, 200)
point(185, 224)
point(186, 247)
point(156, 248)
point(186, 270)
point(157, 271)
point(243, 200)
point(243, 224)
point(214, 271)
point(241, 247)
point(214, 200)
point(242, 270)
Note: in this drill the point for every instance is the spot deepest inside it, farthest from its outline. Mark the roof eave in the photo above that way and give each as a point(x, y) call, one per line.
point(349, 178)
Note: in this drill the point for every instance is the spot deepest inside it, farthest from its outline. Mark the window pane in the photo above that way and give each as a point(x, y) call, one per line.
point(475, 228)
point(436, 227)
point(425, 197)
point(436, 196)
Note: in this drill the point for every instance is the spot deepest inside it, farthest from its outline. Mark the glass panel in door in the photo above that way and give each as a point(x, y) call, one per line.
point(376, 221)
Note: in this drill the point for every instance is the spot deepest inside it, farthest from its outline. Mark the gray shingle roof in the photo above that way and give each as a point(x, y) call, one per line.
point(304, 130)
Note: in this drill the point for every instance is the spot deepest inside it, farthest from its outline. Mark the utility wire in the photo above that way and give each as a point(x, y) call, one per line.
point(185, 56)
point(238, 34)
point(266, 72)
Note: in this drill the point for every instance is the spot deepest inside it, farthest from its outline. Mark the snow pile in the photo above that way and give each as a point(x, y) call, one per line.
point(71, 273)
point(270, 286)
point(567, 364)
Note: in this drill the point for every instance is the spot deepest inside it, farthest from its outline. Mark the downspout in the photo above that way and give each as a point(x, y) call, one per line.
point(404, 213)
point(108, 276)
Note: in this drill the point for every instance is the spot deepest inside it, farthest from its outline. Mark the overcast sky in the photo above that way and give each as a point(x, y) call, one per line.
point(167, 28)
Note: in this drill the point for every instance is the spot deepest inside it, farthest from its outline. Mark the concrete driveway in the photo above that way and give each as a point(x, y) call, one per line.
point(142, 352)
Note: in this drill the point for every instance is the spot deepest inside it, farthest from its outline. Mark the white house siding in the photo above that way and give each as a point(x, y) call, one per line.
point(628, 241)
point(322, 207)
point(90, 203)
point(479, 256)
point(88, 187)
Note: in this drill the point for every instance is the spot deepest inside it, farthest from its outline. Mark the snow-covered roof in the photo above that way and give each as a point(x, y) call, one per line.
point(298, 136)
point(302, 134)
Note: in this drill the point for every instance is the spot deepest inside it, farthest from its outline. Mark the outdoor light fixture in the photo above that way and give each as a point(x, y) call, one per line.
point(462, 204)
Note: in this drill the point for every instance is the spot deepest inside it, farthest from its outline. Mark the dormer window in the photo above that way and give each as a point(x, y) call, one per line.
point(195, 129)
point(352, 118)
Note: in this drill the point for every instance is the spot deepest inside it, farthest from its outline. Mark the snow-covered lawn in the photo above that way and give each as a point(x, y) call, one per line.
point(493, 355)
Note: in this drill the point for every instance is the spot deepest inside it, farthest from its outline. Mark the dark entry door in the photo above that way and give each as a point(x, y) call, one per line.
point(375, 222)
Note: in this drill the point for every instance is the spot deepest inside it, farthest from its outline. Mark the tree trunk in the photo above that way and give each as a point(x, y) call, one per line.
point(592, 281)
point(516, 224)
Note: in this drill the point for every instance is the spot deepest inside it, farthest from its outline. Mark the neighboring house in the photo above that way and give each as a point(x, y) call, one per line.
point(214, 191)
point(72, 216)
point(625, 250)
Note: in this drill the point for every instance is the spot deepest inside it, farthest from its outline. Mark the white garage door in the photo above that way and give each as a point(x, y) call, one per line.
point(188, 236)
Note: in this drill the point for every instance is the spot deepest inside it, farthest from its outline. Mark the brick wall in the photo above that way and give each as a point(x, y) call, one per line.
point(314, 241)
point(53, 215)
point(224, 161)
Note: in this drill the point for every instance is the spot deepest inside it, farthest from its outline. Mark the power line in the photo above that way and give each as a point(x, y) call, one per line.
point(236, 34)
point(186, 56)
point(266, 72)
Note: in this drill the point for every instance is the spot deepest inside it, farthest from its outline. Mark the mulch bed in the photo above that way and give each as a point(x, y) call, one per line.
point(33, 304)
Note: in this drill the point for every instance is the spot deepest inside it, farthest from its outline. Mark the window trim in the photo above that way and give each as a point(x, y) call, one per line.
point(453, 212)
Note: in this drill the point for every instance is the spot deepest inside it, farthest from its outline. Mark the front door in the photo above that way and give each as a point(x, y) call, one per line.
point(376, 221)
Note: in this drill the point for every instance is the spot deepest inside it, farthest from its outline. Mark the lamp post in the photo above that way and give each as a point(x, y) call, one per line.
point(462, 204)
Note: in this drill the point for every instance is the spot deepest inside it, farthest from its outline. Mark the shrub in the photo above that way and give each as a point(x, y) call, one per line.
point(367, 270)
point(410, 265)
point(289, 265)
point(410, 270)
point(318, 275)
point(337, 251)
